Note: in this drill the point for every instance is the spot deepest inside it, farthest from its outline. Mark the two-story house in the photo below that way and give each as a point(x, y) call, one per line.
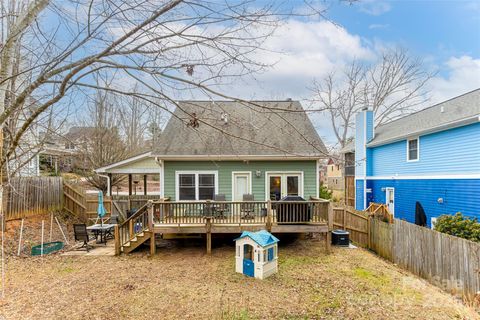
point(431, 157)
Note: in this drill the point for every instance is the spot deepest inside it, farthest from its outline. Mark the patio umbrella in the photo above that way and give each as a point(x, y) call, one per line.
point(101, 209)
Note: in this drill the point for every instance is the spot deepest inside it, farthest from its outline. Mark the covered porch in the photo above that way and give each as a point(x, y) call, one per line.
point(141, 174)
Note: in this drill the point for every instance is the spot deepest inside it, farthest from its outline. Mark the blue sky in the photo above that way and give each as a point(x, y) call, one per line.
point(434, 29)
point(444, 34)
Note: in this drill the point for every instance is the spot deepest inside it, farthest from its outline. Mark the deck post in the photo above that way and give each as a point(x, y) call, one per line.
point(153, 246)
point(110, 192)
point(117, 240)
point(145, 184)
point(328, 238)
point(209, 234)
point(269, 215)
point(130, 229)
point(130, 184)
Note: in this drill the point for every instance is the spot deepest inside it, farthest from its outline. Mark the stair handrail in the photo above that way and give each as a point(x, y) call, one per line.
point(136, 224)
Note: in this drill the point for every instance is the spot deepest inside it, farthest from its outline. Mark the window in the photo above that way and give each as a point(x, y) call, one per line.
point(271, 254)
point(292, 185)
point(412, 150)
point(187, 187)
point(192, 186)
point(206, 186)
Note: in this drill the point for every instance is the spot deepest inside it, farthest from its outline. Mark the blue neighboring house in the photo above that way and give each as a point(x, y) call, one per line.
point(431, 156)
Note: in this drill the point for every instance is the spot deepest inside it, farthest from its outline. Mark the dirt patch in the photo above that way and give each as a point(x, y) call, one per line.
point(182, 282)
point(32, 232)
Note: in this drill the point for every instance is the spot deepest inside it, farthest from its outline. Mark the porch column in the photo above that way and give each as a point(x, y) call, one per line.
point(130, 184)
point(145, 184)
point(109, 184)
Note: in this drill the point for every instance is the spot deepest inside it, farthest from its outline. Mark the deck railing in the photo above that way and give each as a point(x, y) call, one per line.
point(240, 213)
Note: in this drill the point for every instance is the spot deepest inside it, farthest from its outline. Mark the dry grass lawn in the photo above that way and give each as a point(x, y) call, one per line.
point(185, 283)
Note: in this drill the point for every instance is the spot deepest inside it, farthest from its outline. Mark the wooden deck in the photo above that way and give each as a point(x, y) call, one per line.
point(210, 217)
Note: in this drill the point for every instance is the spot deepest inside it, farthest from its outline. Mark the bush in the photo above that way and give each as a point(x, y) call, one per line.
point(459, 226)
point(325, 193)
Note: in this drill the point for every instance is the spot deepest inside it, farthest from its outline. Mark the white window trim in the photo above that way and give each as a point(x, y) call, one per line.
point(249, 173)
point(196, 173)
point(418, 149)
point(283, 174)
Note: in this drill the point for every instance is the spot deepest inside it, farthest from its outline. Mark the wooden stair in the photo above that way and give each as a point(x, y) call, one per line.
point(138, 240)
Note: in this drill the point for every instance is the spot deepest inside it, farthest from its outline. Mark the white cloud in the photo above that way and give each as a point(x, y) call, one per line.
point(378, 26)
point(374, 7)
point(301, 51)
point(462, 75)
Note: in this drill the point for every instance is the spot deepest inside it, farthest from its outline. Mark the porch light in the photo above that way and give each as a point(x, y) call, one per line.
point(258, 173)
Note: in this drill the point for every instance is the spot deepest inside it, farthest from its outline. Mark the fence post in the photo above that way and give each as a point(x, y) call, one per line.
point(269, 215)
point(344, 219)
point(330, 228)
point(369, 232)
point(117, 240)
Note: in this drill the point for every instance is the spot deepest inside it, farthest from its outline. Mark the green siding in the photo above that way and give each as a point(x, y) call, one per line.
point(225, 169)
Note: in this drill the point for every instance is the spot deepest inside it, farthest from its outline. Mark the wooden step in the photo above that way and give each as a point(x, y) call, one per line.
point(136, 242)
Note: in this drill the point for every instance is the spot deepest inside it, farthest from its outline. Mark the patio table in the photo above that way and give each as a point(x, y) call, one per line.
point(101, 230)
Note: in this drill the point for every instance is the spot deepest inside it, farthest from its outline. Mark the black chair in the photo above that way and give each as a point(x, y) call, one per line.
point(81, 234)
point(220, 209)
point(248, 209)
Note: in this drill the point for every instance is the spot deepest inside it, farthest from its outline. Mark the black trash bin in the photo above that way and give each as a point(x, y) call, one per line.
point(288, 212)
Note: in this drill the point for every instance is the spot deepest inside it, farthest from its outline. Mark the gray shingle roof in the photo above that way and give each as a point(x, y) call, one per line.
point(257, 128)
point(429, 119)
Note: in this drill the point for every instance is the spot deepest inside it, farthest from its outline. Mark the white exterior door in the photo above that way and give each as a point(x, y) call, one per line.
point(241, 185)
point(390, 200)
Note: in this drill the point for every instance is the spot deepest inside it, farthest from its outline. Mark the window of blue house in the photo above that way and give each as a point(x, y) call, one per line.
point(413, 148)
point(271, 254)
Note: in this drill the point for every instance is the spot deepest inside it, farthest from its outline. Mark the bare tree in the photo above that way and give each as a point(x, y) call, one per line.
point(98, 141)
point(392, 88)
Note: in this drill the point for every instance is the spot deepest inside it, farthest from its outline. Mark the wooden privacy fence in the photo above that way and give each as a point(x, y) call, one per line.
point(355, 222)
point(28, 196)
point(74, 200)
point(448, 262)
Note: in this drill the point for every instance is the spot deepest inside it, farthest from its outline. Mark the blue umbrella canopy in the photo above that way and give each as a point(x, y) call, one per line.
point(101, 209)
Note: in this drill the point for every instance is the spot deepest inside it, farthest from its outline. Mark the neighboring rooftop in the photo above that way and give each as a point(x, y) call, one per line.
point(444, 115)
point(434, 118)
point(230, 128)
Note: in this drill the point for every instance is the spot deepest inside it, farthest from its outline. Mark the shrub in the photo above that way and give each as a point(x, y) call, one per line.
point(459, 226)
point(325, 193)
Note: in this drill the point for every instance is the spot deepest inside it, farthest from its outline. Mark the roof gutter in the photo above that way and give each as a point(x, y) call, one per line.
point(449, 125)
point(239, 157)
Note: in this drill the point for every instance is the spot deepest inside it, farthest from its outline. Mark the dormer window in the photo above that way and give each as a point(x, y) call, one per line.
point(413, 147)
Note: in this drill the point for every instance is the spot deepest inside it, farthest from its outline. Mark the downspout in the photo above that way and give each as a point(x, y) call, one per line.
point(160, 163)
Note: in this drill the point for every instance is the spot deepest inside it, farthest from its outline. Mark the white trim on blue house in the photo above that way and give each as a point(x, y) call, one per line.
point(418, 149)
point(424, 177)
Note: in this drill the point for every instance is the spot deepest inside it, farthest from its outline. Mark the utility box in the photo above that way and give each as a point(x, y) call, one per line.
point(340, 238)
